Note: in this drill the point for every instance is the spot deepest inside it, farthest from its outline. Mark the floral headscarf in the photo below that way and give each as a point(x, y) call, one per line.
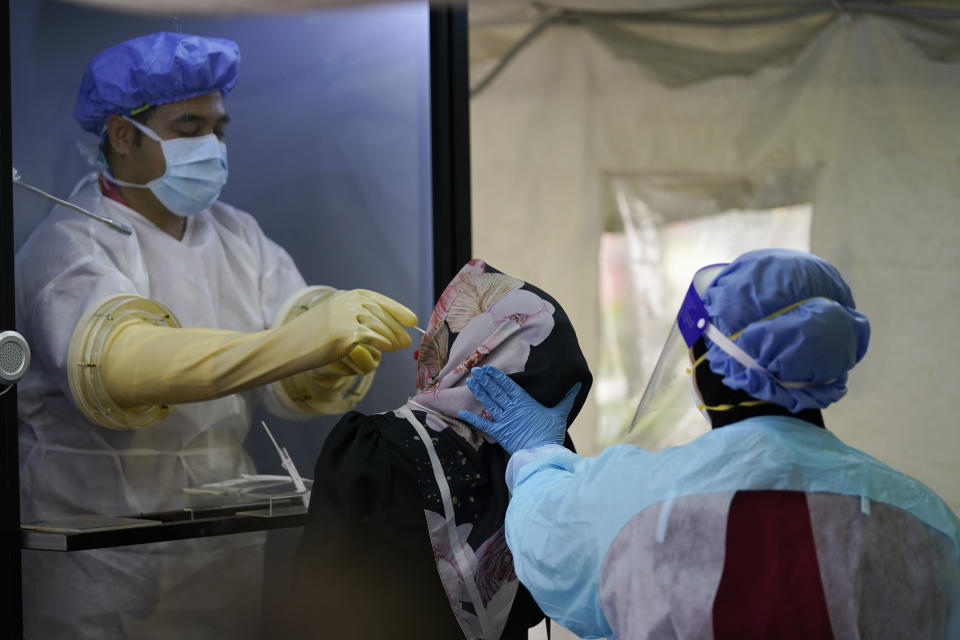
point(482, 317)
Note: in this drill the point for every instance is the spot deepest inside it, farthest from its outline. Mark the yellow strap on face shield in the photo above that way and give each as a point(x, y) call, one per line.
point(726, 344)
point(721, 407)
point(728, 407)
point(779, 312)
point(128, 358)
point(696, 363)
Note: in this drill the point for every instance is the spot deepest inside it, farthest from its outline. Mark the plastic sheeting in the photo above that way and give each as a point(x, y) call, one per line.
point(855, 115)
point(329, 149)
point(645, 274)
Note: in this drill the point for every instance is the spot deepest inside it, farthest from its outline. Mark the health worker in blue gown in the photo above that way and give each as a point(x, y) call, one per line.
point(768, 525)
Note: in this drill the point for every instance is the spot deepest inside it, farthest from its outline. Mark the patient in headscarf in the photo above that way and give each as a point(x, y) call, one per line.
point(404, 537)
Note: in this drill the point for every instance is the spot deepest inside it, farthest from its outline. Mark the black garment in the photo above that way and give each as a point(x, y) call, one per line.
point(365, 569)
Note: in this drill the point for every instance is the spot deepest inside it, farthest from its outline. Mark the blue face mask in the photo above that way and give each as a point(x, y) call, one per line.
point(196, 172)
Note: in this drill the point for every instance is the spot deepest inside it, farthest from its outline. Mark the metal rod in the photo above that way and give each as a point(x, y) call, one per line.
point(272, 439)
point(118, 226)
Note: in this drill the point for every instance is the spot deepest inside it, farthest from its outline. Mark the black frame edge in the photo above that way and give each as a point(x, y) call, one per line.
point(449, 141)
point(9, 459)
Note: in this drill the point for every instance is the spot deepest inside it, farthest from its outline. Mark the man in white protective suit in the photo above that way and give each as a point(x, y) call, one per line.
point(150, 351)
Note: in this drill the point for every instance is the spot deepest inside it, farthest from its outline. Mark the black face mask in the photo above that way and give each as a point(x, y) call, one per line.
point(715, 393)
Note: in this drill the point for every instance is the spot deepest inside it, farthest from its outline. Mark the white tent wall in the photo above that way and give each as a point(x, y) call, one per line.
point(531, 199)
point(865, 104)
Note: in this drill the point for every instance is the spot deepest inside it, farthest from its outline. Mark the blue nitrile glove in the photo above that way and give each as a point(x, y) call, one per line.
point(519, 421)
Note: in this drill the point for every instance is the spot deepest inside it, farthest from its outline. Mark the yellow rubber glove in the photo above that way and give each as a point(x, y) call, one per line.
point(362, 359)
point(142, 362)
point(331, 389)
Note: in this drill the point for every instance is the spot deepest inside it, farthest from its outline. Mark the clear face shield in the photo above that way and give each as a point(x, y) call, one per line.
point(669, 403)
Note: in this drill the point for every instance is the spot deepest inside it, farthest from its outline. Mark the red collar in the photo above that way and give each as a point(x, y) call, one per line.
point(111, 191)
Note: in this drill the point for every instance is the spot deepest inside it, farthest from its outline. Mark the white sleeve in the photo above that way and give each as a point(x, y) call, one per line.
point(68, 264)
point(280, 279)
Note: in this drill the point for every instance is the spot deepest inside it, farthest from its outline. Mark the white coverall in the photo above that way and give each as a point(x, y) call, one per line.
point(224, 273)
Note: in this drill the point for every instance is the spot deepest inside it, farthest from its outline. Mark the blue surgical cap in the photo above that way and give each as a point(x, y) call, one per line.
point(814, 342)
point(154, 69)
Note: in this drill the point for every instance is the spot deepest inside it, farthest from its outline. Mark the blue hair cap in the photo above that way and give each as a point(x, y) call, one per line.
point(150, 70)
point(796, 318)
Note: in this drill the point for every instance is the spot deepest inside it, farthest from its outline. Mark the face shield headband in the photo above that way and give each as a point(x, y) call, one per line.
point(693, 321)
point(666, 400)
